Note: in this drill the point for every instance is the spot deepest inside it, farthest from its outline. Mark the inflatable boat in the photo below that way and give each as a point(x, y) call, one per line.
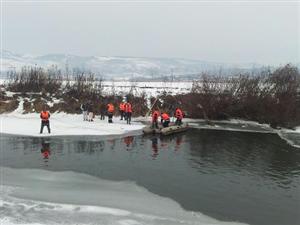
point(166, 130)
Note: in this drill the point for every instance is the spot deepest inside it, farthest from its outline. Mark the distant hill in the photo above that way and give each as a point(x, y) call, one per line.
point(123, 67)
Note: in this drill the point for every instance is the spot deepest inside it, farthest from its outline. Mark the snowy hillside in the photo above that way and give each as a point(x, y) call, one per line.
point(125, 67)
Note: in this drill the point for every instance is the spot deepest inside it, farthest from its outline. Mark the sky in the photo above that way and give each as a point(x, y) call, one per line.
point(264, 32)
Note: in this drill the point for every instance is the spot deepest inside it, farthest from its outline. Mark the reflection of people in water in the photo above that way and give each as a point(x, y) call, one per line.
point(45, 150)
point(113, 143)
point(128, 141)
point(154, 147)
point(178, 142)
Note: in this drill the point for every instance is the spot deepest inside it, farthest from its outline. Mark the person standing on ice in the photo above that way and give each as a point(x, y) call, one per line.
point(90, 112)
point(110, 112)
point(179, 116)
point(45, 115)
point(84, 110)
point(122, 109)
point(155, 116)
point(102, 111)
point(165, 119)
point(128, 112)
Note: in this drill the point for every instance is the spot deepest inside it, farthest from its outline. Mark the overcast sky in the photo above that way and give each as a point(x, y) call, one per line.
point(266, 33)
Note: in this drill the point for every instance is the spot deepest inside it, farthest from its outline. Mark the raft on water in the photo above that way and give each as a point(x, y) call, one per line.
point(166, 130)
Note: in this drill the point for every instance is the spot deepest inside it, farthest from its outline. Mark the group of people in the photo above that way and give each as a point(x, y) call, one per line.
point(165, 118)
point(125, 109)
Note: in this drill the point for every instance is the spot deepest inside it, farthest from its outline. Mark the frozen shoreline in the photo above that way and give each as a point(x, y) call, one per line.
point(63, 124)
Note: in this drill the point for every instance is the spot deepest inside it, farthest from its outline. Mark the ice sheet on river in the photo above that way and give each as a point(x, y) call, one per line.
point(292, 137)
point(31, 196)
point(62, 124)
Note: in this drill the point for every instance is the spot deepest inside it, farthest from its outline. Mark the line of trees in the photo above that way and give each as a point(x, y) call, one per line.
point(271, 97)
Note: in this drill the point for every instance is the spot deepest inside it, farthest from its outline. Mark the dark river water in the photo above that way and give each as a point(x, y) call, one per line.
point(232, 176)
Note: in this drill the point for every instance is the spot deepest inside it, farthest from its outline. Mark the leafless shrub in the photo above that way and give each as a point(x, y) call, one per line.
point(35, 79)
point(270, 97)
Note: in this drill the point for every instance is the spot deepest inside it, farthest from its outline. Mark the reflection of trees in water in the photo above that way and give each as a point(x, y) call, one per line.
point(262, 154)
point(89, 147)
point(28, 145)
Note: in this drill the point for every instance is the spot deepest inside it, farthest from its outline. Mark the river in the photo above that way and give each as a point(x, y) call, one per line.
point(252, 178)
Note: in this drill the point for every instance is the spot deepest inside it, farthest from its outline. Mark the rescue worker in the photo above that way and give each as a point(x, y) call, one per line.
point(179, 116)
point(165, 119)
point(102, 111)
point(128, 112)
point(90, 112)
point(110, 112)
point(45, 115)
point(122, 109)
point(155, 116)
point(84, 110)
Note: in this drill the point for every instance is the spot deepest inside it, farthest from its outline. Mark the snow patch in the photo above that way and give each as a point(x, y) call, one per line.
point(74, 198)
point(62, 124)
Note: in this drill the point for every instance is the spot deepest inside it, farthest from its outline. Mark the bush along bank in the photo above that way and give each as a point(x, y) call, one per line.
point(271, 97)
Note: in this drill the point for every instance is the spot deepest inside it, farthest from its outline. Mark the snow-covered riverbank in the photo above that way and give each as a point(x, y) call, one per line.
point(63, 124)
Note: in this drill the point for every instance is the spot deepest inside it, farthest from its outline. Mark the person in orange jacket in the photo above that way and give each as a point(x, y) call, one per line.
point(155, 115)
point(179, 116)
point(165, 119)
point(122, 109)
point(110, 112)
point(128, 112)
point(45, 115)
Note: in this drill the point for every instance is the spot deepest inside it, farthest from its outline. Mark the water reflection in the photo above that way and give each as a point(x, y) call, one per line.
point(128, 142)
point(112, 143)
point(154, 141)
point(238, 175)
point(169, 143)
point(250, 154)
point(45, 151)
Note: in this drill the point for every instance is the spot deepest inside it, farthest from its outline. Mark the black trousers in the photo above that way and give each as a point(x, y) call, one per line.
point(155, 124)
point(102, 116)
point(178, 122)
point(45, 123)
point(110, 116)
point(122, 114)
point(166, 123)
point(128, 117)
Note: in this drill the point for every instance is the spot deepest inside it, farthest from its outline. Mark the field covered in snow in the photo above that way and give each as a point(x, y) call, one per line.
point(149, 88)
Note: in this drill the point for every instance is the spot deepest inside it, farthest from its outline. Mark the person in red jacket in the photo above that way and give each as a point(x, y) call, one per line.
point(110, 112)
point(128, 112)
point(155, 115)
point(45, 115)
point(165, 119)
point(122, 109)
point(179, 116)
